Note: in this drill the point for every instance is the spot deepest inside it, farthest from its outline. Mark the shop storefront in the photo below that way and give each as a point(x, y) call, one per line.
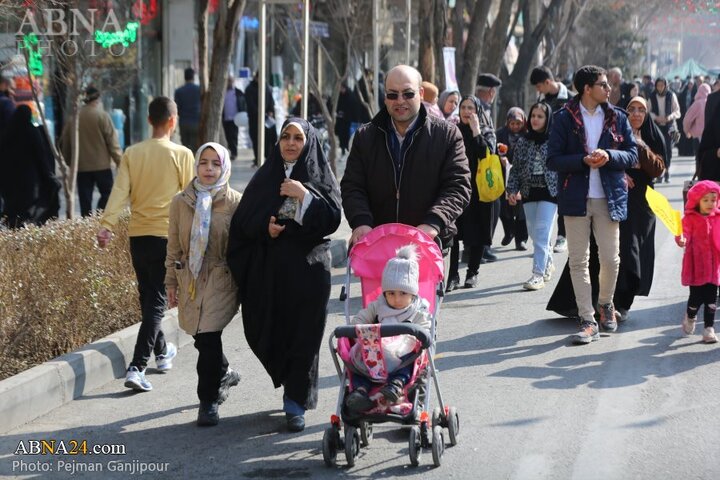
point(131, 50)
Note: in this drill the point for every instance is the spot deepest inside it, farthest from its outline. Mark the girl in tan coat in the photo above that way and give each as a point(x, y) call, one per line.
point(198, 281)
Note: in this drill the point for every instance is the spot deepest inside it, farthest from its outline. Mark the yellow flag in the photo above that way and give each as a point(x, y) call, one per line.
point(662, 210)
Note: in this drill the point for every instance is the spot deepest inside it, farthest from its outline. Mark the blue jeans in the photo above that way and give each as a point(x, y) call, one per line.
point(540, 217)
point(403, 374)
point(291, 407)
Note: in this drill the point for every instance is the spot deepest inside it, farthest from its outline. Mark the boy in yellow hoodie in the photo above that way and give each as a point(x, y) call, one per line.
point(150, 174)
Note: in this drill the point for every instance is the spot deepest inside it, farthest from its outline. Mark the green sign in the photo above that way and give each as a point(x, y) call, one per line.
point(125, 37)
point(34, 57)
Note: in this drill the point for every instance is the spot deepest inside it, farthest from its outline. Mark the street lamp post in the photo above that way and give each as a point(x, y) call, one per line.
point(376, 53)
point(409, 31)
point(262, 74)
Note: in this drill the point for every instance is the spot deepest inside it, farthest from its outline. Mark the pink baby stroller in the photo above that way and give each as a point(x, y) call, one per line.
point(367, 260)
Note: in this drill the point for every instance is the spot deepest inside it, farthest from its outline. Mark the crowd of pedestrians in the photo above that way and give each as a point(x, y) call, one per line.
point(576, 163)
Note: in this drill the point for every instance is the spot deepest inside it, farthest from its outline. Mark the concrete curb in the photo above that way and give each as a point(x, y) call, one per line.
point(41, 389)
point(37, 391)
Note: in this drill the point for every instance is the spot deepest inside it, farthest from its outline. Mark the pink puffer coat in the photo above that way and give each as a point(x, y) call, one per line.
point(694, 121)
point(701, 262)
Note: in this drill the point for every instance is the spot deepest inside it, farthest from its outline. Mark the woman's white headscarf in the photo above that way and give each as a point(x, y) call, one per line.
point(200, 231)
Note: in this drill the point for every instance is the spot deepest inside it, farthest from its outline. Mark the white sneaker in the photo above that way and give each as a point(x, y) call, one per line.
point(560, 244)
point(230, 379)
point(164, 362)
point(688, 325)
point(136, 380)
point(549, 272)
point(709, 335)
point(536, 282)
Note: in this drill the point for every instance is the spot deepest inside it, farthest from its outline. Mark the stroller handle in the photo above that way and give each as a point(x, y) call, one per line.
point(348, 331)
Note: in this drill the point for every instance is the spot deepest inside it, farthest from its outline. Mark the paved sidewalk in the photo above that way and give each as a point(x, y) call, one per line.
point(637, 404)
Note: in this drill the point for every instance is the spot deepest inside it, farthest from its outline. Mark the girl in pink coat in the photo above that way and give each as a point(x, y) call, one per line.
point(701, 261)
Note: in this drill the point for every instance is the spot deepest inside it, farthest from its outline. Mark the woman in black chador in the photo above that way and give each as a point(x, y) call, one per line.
point(475, 225)
point(637, 232)
point(27, 184)
point(279, 256)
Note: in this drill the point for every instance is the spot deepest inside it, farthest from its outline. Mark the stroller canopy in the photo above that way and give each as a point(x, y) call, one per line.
point(369, 256)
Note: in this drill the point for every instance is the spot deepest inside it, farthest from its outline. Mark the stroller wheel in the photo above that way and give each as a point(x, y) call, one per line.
point(438, 445)
point(352, 445)
point(453, 425)
point(415, 448)
point(366, 433)
point(330, 446)
point(437, 417)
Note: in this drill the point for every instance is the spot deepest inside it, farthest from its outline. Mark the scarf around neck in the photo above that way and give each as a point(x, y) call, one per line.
point(388, 314)
point(610, 123)
point(539, 137)
point(200, 232)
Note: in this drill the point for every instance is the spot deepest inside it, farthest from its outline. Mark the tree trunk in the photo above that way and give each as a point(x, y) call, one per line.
point(68, 72)
point(329, 113)
point(341, 56)
point(202, 28)
point(513, 85)
point(70, 180)
point(425, 40)
point(473, 46)
point(559, 53)
point(224, 36)
point(439, 32)
point(496, 39)
point(459, 35)
point(68, 167)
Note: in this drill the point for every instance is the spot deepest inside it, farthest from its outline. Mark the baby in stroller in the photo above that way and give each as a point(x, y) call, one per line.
point(399, 302)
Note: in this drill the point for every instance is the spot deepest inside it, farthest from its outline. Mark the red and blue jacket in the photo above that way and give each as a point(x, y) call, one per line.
point(567, 147)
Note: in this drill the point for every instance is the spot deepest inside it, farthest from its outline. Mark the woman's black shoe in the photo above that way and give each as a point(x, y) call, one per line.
point(521, 246)
point(295, 423)
point(507, 239)
point(488, 256)
point(453, 284)
point(471, 281)
point(208, 414)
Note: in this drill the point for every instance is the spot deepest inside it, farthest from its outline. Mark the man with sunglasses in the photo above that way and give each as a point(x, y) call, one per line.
point(405, 166)
point(591, 145)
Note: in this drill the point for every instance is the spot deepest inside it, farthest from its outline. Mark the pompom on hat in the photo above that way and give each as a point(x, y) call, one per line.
point(402, 272)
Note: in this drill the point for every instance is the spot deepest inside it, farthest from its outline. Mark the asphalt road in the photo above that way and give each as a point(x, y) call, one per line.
point(638, 404)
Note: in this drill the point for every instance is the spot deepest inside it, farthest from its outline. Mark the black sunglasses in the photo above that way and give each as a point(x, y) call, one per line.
point(395, 95)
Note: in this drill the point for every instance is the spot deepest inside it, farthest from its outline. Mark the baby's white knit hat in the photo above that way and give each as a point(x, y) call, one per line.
point(402, 271)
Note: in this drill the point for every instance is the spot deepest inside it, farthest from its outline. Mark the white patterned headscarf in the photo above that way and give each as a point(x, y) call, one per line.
point(200, 231)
